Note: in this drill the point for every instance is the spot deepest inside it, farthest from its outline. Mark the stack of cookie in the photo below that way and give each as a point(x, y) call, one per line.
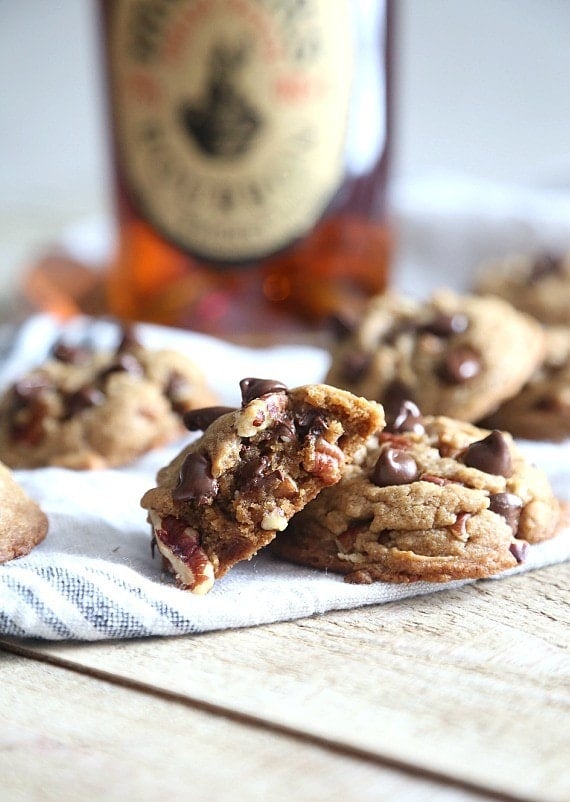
point(315, 472)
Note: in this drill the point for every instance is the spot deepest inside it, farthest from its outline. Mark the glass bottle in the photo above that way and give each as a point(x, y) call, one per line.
point(251, 142)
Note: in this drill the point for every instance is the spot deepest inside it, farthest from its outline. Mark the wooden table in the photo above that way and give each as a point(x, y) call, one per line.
point(460, 695)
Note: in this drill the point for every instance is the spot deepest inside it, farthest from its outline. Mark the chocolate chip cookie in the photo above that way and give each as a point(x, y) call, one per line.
point(459, 356)
point(433, 499)
point(538, 284)
point(22, 523)
point(84, 408)
point(229, 492)
point(541, 411)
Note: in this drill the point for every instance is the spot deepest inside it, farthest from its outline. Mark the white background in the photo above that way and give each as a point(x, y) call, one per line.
point(482, 90)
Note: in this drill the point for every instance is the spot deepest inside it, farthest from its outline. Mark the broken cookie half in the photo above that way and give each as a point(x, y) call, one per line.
point(227, 494)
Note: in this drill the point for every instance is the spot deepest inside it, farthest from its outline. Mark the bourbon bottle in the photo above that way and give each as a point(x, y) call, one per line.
point(251, 142)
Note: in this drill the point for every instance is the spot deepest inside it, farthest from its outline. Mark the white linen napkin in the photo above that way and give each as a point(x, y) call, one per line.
point(94, 577)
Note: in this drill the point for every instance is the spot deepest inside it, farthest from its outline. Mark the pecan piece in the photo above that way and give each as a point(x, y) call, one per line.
point(180, 545)
point(458, 529)
point(326, 461)
point(435, 480)
point(260, 413)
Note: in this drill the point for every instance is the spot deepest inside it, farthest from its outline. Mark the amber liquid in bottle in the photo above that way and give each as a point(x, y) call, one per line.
point(251, 144)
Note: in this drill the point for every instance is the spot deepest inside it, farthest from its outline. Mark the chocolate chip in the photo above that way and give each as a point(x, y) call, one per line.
point(340, 326)
point(394, 467)
point(491, 455)
point(256, 474)
point(125, 363)
point(129, 340)
point(519, 550)
point(354, 366)
point(310, 422)
point(28, 394)
point(251, 472)
point(71, 354)
point(255, 388)
point(195, 482)
point(408, 419)
point(396, 394)
point(401, 327)
point(176, 390)
point(198, 420)
point(508, 506)
point(543, 266)
point(548, 403)
point(460, 364)
point(284, 431)
point(31, 431)
point(447, 325)
point(85, 397)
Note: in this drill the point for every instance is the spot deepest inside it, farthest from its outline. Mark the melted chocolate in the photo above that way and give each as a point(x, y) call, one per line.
point(196, 482)
point(310, 422)
point(255, 388)
point(198, 420)
point(255, 474)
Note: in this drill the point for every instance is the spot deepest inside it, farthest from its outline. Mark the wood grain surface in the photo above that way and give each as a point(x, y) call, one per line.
point(73, 737)
point(468, 686)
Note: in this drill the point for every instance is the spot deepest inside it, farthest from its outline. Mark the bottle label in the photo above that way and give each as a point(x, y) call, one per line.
point(231, 117)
